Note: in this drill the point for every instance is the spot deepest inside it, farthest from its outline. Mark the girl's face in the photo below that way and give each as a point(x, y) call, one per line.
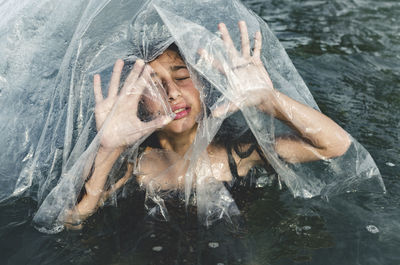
point(183, 96)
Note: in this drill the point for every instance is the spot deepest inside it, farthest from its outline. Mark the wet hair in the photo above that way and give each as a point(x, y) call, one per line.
point(174, 47)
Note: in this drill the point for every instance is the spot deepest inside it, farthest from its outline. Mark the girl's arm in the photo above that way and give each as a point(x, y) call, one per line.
point(89, 203)
point(119, 126)
point(320, 137)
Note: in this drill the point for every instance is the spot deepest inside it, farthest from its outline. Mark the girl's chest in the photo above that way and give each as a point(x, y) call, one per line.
point(167, 170)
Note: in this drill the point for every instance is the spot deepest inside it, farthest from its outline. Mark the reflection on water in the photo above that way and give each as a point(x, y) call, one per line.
point(348, 52)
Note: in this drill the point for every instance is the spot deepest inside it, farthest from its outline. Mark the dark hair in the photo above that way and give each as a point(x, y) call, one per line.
point(174, 47)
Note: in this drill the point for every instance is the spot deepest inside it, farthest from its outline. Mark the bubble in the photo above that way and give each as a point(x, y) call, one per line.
point(390, 164)
point(372, 229)
point(157, 248)
point(213, 244)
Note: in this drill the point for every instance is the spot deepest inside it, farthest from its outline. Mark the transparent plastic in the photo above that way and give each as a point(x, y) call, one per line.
point(70, 134)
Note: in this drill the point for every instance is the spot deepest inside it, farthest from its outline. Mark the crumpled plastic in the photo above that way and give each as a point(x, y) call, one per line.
point(51, 51)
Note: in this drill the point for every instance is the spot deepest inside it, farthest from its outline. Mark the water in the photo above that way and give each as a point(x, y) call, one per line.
point(348, 52)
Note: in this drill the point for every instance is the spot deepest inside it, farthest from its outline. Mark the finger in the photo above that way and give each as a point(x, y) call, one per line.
point(148, 128)
point(226, 38)
point(157, 123)
point(204, 55)
point(143, 81)
point(257, 45)
point(149, 77)
point(244, 37)
point(98, 96)
point(115, 78)
point(132, 77)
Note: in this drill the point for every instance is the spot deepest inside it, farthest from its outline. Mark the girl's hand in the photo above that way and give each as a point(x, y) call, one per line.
point(117, 118)
point(249, 81)
point(249, 85)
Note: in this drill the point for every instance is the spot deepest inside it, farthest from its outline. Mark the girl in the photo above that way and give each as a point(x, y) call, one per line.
point(172, 136)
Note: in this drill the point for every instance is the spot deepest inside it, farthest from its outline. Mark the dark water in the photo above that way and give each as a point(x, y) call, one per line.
point(348, 52)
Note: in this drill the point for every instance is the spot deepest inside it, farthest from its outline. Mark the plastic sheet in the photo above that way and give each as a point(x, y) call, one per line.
point(63, 144)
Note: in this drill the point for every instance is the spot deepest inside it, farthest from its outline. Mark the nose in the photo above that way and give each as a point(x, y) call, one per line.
point(173, 91)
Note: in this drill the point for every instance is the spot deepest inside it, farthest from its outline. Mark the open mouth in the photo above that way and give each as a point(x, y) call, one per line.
point(181, 113)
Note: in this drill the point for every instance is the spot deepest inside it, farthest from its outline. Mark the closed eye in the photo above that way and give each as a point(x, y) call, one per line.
point(182, 78)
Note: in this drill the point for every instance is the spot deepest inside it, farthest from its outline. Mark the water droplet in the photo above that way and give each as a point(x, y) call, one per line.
point(152, 235)
point(390, 164)
point(372, 229)
point(213, 244)
point(157, 248)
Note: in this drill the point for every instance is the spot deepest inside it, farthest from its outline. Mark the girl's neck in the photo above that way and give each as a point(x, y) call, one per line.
point(179, 143)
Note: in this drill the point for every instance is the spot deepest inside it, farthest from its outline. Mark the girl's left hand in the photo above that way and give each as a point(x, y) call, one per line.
point(249, 81)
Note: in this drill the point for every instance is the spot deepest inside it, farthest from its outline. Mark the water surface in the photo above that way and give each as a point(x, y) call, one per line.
point(348, 52)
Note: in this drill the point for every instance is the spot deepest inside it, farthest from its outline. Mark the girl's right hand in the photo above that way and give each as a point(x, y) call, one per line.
point(116, 115)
